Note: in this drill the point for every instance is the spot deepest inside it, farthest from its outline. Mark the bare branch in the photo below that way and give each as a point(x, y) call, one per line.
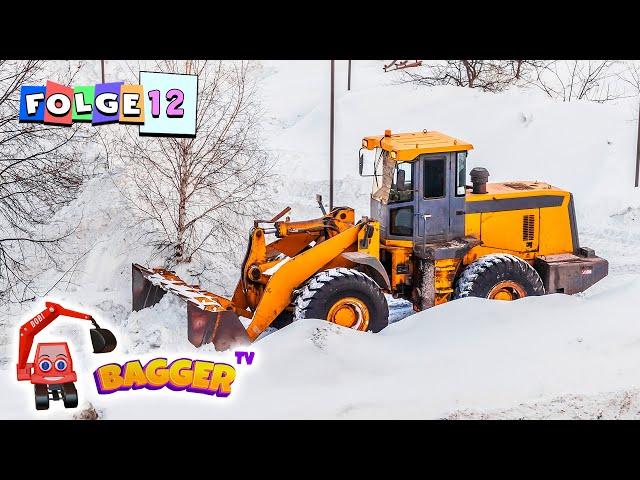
point(41, 170)
point(192, 194)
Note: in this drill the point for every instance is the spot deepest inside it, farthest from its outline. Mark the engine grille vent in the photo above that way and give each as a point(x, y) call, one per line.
point(519, 186)
point(528, 227)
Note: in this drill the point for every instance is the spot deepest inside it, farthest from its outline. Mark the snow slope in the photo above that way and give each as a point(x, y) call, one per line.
point(436, 361)
point(424, 366)
point(466, 356)
point(618, 405)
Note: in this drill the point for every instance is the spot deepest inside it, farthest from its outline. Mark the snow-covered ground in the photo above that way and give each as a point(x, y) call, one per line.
point(548, 357)
point(619, 405)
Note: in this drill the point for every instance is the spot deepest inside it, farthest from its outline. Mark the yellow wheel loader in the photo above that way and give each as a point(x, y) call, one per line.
point(430, 238)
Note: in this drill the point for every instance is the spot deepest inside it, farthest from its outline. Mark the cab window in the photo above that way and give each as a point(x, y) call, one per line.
point(401, 221)
point(434, 178)
point(461, 173)
point(402, 185)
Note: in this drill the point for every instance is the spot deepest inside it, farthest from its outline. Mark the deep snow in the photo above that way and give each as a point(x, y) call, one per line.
point(457, 360)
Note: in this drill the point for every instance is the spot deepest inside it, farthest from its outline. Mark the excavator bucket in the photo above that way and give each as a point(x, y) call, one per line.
point(222, 328)
point(210, 317)
point(144, 293)
point(103, 340)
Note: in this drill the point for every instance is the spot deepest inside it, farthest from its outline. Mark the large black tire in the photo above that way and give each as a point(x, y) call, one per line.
point(285, 318)
point(484, 277)
point(321, 292)
point(69, 395)
point(41, 393)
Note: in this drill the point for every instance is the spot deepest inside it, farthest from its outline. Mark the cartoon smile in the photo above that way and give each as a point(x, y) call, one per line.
point(52, 379)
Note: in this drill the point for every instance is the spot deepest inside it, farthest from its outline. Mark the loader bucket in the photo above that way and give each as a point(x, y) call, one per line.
point(103, 340)
point(222, 328)
point(144, 293)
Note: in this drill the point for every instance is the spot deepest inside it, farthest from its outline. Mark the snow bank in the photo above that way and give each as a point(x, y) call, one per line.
point(620, 405)
point(472, 354)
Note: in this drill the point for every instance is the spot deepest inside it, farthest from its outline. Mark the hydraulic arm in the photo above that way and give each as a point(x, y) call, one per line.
point(102, 339)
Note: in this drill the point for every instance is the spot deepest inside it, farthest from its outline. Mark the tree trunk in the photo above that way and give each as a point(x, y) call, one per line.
point(470, 73)
point(518, 68)
point(182, 213)
point(180, 253)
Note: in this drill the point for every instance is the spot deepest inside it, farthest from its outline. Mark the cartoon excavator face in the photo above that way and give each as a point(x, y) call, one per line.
point(53, 364)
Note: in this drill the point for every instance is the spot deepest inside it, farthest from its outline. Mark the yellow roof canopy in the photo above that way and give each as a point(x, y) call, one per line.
point(407, 146)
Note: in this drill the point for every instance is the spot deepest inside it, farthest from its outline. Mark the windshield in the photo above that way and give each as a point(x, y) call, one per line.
point(393, 181)
point(383, 176)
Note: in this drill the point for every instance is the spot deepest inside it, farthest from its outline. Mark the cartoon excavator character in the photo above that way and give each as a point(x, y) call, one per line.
point(52, 373)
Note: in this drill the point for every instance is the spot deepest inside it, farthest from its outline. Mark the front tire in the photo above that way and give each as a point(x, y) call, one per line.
point(343, 296)
point(283, 320)
point(69, 395)
point(41, 393)
point(499, 276)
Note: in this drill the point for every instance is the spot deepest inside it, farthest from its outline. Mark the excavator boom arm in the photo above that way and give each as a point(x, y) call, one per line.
point(269, 275)
point(35, 325)
point(294, 273)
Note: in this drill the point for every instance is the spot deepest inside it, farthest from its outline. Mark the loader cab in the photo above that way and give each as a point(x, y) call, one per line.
point(419, 187)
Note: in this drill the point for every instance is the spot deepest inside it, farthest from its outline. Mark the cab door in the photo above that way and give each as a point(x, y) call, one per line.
point(397, 222)
point(431, 217)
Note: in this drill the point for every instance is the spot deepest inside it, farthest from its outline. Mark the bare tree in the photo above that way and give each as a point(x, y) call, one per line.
point(40, 171)
point(191, 194)
point(486, 75)
point(570, 80)
point(630, 76)
point(567, 80)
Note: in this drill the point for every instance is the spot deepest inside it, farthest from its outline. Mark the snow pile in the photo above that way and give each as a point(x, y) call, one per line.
point(468, 355)
point(622, 405)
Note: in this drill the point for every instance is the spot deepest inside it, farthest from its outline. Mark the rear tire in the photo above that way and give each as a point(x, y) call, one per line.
point(499, 276)
point(69, 395)
point(41, 393)
point(343, 296)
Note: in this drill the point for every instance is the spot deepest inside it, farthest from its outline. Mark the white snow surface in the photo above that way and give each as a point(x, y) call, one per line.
point(546, 357)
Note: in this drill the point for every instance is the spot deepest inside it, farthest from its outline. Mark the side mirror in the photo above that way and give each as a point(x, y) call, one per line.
point(319, 201)
point(400, 180)
point(361, 162)
point(103, 340)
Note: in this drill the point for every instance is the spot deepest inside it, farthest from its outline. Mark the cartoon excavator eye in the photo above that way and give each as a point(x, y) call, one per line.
point(61, 364)
point(45, 365)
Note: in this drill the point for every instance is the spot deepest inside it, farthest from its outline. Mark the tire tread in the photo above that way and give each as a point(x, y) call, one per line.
point(497, 264)
point(324, 283)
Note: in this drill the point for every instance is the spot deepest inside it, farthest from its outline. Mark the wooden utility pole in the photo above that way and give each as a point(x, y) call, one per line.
point(331, 136)
point(638, 154)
